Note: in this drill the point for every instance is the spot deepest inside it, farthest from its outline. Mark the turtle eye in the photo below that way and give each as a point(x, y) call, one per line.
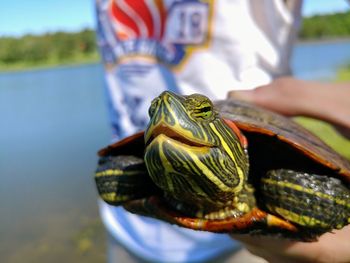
point(153, 107)
point(203, 111)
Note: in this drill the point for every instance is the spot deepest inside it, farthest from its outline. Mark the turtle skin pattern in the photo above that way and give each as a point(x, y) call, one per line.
point(287, 182)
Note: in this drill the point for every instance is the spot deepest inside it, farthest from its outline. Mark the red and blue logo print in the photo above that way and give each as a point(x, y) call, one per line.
point(166, 30)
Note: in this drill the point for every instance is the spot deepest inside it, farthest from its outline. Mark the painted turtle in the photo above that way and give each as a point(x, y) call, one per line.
point(230, 167)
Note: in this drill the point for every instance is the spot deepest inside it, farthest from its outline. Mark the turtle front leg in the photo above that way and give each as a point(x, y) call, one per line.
point(316, 202)
point(241, 204)
point(120, 179)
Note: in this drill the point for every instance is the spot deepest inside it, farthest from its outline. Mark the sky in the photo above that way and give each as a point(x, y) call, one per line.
point(19, 17)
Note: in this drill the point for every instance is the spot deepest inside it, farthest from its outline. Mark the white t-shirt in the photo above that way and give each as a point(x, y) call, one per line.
point(195, 46)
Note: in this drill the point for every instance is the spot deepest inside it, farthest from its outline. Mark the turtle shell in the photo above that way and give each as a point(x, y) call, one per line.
point(274, 142)
point(264, 128)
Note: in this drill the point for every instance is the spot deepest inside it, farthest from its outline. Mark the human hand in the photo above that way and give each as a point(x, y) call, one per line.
point(331, 247)
point(329, 102)
point(293, 97)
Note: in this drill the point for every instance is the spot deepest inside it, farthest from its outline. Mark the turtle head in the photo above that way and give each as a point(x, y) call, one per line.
point(191, 153)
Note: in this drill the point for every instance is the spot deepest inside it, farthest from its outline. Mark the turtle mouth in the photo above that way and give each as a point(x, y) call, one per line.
point(174, 135)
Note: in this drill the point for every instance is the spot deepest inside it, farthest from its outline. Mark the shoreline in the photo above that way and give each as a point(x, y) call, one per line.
point(21, 67)
point(95, 59)
point(323, 41)
point(47, 67)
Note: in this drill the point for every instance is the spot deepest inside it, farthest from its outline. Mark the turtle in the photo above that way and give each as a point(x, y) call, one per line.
point(227, 167)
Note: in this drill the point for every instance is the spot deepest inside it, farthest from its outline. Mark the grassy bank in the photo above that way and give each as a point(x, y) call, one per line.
point(48, 50)
point(324, 130)
point(328, 134)
point(25, 65)
point(329, 26)
point(344, 74)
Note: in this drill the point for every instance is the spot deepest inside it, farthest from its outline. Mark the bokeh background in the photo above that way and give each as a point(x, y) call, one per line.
point(53, 119)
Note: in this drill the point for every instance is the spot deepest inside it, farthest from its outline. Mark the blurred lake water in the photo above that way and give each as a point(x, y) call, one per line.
point(320, 60)
point(52, 123)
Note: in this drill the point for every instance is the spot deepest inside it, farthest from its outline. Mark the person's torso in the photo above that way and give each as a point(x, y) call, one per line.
point(193, 46)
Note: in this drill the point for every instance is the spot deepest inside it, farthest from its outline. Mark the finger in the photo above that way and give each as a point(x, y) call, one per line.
point(265, 242)
point(244, 95)
point(270, 248)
